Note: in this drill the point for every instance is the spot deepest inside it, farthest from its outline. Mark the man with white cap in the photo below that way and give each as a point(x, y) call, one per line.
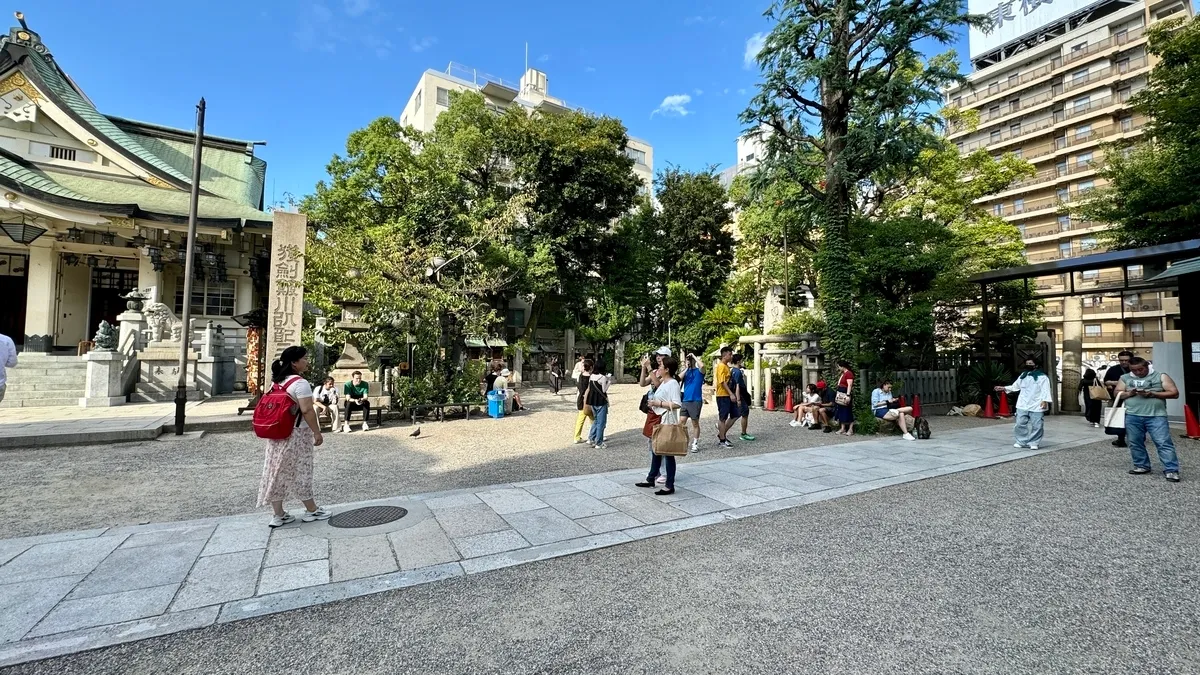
point(502, 384)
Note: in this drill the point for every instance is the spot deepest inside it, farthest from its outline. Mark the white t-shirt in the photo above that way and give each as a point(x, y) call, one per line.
point(299, 389)
point(500, 384)
point(668, 390)
point(329, 395)
point(812, 398)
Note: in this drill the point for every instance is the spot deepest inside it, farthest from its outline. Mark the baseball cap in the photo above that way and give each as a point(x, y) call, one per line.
point(820, 384)
point(665, 351)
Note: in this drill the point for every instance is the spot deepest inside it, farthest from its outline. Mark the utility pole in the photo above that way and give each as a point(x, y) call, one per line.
point(185, 335)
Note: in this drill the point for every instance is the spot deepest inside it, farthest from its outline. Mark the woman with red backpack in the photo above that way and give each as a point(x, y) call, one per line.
point(291, 429)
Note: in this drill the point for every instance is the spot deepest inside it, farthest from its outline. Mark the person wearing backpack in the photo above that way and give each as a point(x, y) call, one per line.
point(288, 468)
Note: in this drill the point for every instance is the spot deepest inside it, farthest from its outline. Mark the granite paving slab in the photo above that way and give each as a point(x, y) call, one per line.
point(577, 504)
point(217, 579)
point(423, 545)
point(58, 559)
point(544, 526)
point(142, 567)
point(466, 521)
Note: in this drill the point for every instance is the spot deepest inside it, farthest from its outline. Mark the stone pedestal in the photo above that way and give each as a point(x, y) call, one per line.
point(569, 339)
point(103, 388)
point(351, 360)
point(158, 370)
point(1072, 354)
point(132, 325)
point(619, 359)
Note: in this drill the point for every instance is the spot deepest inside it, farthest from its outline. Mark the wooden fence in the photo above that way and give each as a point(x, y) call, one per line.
point(935, 387)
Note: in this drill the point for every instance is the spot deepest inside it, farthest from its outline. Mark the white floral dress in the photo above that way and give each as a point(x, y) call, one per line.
point(288, 467)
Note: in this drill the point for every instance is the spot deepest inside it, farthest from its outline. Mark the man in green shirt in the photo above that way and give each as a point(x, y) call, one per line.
point(356, 398)
point(1145, 397)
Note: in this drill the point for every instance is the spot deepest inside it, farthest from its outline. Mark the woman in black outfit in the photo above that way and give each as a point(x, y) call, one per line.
point(1091, 407)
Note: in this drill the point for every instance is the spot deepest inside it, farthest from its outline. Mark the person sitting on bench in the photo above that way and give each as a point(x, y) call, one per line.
point(356, 398)
point(325, 400)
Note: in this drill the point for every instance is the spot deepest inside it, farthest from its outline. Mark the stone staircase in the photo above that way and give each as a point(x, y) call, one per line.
point(41, 380)
point(153, 392)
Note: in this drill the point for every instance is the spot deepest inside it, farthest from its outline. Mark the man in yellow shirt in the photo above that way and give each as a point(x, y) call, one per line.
point(727, 409)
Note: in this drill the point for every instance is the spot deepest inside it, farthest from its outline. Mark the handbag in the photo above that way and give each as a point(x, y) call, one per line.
point(644, 405)
point(670, 439)
point(842, 398)
point(1099, 392)
point(1114, 419)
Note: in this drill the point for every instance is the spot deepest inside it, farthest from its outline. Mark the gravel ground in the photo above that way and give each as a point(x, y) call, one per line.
point(1056, 563)
point(71, 488)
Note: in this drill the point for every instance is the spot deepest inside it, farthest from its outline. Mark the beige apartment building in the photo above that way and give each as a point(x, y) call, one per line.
point(432, 95)
point(1052, 84)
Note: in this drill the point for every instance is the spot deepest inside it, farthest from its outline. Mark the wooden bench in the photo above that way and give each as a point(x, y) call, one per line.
point(439, 409)
point(375, 396)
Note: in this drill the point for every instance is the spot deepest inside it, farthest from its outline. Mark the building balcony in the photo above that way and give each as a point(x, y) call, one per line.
point(1053, 311)
point(1058, 119)
point(1122, 338)
point(1051, 231)
point(1056, 64)
point(1170, 305)
point(1050, 283)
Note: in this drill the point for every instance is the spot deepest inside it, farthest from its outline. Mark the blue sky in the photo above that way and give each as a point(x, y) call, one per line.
point(303, 74)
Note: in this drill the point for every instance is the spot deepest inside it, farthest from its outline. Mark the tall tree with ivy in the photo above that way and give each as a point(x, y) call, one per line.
point(844, 95)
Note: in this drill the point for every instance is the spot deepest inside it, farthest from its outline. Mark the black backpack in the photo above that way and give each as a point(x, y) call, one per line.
point(922, 426)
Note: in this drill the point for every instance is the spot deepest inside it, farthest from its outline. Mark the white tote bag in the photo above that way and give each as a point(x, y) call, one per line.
point(1114, 417)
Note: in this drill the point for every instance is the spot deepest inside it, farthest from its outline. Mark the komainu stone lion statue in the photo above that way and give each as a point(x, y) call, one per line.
point(163, 323)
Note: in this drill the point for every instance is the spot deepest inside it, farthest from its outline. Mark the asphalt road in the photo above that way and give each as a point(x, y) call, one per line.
point(1057, 563)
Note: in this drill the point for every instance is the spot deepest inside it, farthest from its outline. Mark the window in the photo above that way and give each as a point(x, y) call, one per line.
point(1079, 47)
point(1137, 328)
point(1087, 244)
point(1014, 130)
point(1121, 35)
point(1083, 133)
point(1081, 103)
point(1064, 223)
point(515, 318)
point(998, 209)
point(1091, 275)
point(1092, 330)
point(1134, 271)
point(1064, 249)
point(1124, 93)
point(1014, 105)
point(994, 136)
point(1060, 142)
point(443, 97)
point(1018, 205)
point(209, 298)
point(639, 156)
point(1083, 160)
point(749, 157)
point(1063, 194)
point(1012, 79)
point(1061, 168)
point(1021, 229)
point(1017, 153)
point(957, 103)
point(1126, 123)
point(1091, 301)
point(1079, 76)
point(417, 102)
point(1122, 65)
point(959, 144)
point(993, 111)
point(59, 152)
point(1159, 16)
point(1086, 186)
point(1132, 299)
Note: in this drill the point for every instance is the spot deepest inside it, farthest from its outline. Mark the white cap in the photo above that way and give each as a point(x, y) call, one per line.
point(505, 373)
point(665, 351)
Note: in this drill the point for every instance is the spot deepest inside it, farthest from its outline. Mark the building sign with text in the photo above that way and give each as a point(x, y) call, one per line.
point(1012, 19)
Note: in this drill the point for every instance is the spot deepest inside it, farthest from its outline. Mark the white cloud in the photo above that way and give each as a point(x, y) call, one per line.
point(741, 92)
point(381, 46)
point(698, 92)
point(692, 20)
point(589, 69)
point(543, 58)
point(725, 91)
point(674, 105)
point(422, 44)
point(315, 29)
point(357, 7)
point(754, 45)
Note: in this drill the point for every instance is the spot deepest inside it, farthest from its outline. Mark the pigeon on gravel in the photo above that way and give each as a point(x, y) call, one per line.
point(416, 433)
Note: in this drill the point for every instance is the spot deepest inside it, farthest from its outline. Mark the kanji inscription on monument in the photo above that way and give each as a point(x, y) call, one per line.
point(285, 305)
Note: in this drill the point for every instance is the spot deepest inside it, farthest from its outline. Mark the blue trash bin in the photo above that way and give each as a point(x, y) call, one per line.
point(495, 404)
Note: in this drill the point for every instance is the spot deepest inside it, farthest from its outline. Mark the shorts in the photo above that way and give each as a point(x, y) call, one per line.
point(744, 409)
point(886, 413)
point(691, 410)
point(727, 409)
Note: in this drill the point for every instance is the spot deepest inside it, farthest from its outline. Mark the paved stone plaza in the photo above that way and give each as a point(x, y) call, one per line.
point(71, 591)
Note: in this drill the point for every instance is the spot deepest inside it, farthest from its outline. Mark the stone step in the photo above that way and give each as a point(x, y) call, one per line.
point(49, 384)
point(48, 394)
point(40, 372)
point(141, 396)
point(41, 403)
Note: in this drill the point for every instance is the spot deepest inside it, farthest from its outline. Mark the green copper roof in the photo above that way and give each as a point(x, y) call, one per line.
point(36, 179)
point(85, 110)
point(152, 199)
point(227, 173)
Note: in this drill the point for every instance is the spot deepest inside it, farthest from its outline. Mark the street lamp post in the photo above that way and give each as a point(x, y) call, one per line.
point(185, 336)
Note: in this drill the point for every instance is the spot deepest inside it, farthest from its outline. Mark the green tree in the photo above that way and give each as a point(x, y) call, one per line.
point(1153, 195)
point(693, 223)
point(846, 94)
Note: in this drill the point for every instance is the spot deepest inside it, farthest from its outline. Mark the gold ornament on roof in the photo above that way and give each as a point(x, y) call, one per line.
point(123, 223)
point(22, 35)
point(91, 142)
point(10, 196)
point(157, 182)
point(17, 81)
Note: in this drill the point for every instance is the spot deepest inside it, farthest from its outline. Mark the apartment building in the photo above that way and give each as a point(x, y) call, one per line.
point(432, 95)
point(1051, 84)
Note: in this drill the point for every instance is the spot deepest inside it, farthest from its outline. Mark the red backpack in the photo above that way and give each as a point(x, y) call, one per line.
point(276, 414)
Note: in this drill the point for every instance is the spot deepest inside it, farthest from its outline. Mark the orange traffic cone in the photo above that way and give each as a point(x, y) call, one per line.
point(916, 405)
point(787, 404)
point(770, 401)
point(988, 411)
point(1004, 411)
point(903, 401)
point(1193, 427)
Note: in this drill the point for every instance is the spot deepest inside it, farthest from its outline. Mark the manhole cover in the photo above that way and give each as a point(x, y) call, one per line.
point(369, 516)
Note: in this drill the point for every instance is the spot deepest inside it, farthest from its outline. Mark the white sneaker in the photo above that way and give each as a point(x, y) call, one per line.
point(346, 428)
point(601, 446)
point(365, 427)
point(319, 514)
point(280, 521)
point(1033, 447)
point(1017, 445)
point(661, 480)
point(579, 441)
point(909, 437)
point(794, 423)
